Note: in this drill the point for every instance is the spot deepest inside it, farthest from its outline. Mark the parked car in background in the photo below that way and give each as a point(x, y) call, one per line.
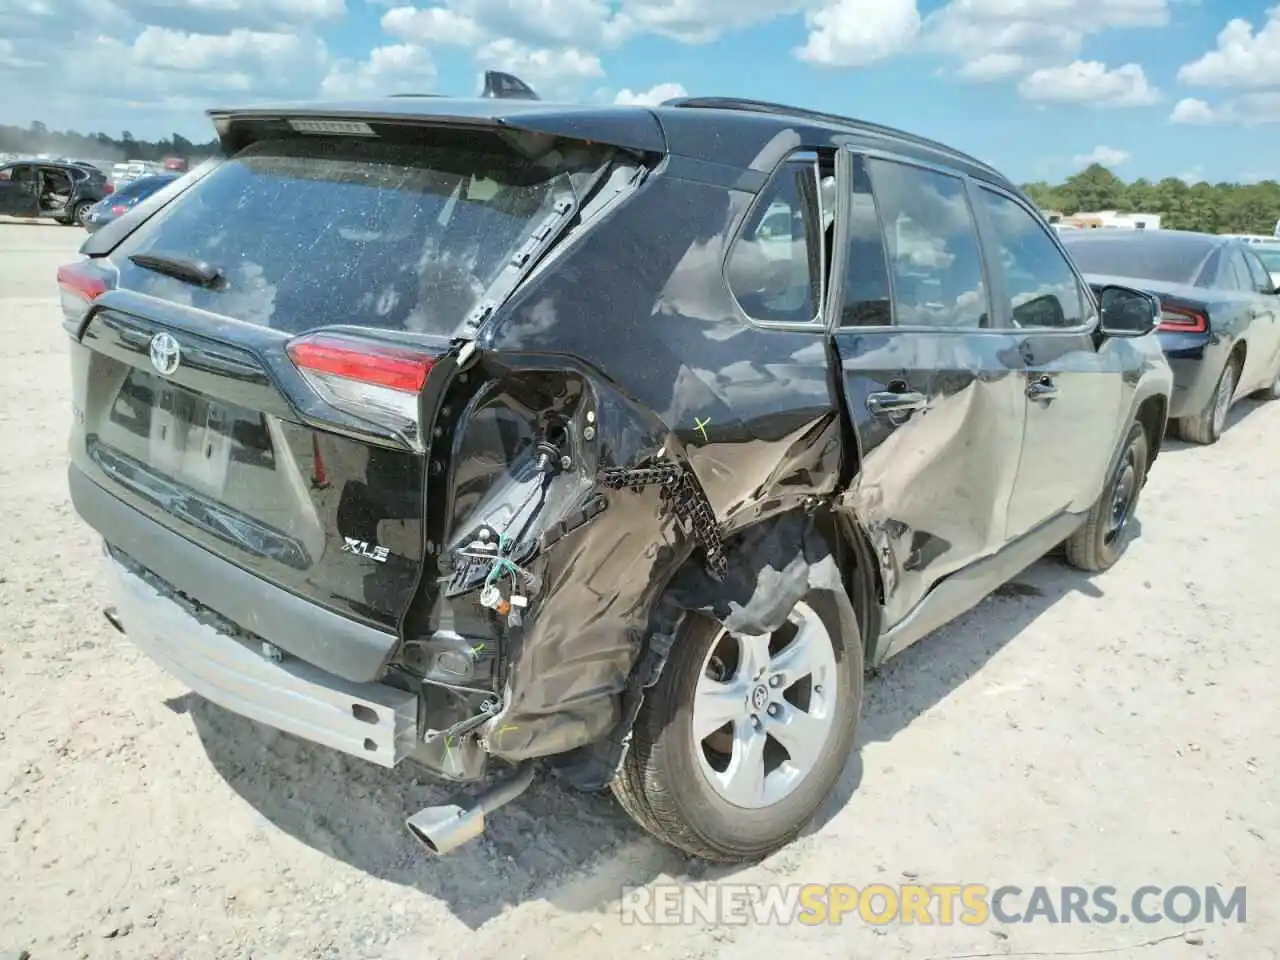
point(1220, 322)
point(46, 188)
point(375, 465)
point(175, 164)
point(125, 199)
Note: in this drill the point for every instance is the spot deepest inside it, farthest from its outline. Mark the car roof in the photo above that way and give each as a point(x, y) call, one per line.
point(692, 127)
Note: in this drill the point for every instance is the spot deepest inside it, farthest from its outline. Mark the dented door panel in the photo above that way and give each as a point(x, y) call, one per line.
point(934, 484)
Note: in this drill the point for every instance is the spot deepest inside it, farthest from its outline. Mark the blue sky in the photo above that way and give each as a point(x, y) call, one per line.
point(1152, 88)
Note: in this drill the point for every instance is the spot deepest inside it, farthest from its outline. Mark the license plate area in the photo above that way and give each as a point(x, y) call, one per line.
point(190, 437)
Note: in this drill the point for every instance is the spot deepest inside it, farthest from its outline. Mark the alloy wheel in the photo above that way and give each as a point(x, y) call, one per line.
point(764, 708)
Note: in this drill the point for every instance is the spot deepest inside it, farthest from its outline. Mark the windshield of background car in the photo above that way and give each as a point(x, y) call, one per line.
point(316, 231)
point(1140, 257)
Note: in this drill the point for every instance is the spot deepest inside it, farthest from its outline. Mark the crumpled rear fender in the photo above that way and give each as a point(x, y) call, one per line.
point(531, 460)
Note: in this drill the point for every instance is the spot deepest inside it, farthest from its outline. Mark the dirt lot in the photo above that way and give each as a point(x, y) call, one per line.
point(1120, 730)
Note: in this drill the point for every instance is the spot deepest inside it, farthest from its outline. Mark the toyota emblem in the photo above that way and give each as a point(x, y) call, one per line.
point(165, 354)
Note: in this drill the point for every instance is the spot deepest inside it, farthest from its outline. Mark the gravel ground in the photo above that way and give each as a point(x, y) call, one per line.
point(1115, 730)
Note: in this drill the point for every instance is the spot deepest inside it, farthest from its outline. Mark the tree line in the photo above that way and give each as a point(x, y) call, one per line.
point(38, 138)
point(1204, 207)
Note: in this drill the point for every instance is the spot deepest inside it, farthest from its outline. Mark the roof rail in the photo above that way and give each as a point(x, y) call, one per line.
point(783, 110)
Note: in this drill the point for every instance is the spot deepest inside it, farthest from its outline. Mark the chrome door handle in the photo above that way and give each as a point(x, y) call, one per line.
point(888, 402)
point(1042, 389)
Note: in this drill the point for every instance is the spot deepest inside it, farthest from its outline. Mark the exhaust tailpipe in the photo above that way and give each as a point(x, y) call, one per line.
point(444, 828)
point(113, 618)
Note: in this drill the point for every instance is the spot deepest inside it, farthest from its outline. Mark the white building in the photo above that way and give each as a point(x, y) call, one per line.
point(1112, 220)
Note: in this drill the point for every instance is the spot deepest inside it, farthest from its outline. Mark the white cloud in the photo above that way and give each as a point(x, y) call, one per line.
point(437, 25)
point(1041, 32)
point(1193, 176)
point(1192, 111)
point(698, 21)
point(856, 33)
point(1107, 156)
point(1090, 82)
point(1248, 110)
point(993, 66)
point(653, 96)
point(540, 68)
point(398, 68)
point(1242, 57)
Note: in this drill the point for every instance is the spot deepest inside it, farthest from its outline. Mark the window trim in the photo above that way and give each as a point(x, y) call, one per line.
point(811, 157)
point(1093, 313)
point(840, 247)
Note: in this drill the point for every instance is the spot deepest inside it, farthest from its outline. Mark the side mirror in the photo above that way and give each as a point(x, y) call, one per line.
point(1127, 312)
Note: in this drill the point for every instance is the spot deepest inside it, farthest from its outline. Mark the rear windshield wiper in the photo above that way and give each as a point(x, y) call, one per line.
point(199, 272)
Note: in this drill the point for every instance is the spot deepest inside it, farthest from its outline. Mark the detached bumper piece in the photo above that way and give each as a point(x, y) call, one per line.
point(372, 721)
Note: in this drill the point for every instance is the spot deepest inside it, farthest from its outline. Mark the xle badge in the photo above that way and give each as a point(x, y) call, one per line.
point(361, 548)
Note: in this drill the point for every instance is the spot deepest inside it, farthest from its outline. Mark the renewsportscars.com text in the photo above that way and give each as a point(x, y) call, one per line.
point(938, 903)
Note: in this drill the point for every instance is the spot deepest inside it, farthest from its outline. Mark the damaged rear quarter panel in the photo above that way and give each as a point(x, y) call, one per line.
point(634, 324)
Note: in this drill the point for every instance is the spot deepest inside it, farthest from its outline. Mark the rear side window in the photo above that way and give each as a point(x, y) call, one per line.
point(1041, 287)
point(934, 257)
point(316, 231)
point(1234, 274)
point(866, 270)
point(775, 266)
point(1261, 278)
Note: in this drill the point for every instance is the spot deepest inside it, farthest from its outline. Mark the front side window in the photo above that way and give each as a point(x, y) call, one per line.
point(775, 266)
point(1041, 287)
point(932, 245)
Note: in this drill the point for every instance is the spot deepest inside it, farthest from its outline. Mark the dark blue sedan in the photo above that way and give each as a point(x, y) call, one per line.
point(124, 199)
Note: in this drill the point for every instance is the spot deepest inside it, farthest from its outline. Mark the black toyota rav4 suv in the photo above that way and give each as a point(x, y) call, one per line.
point(621, 440)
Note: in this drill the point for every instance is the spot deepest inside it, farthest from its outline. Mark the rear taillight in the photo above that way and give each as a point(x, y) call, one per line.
point(376, 382)
point(79, 284)
point(118, 209)
point(1182, 320)
point(109, 188)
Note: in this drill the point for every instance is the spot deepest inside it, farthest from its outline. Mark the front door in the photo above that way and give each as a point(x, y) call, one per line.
point(19, 191)
point(928, 379)
point(1071, 387)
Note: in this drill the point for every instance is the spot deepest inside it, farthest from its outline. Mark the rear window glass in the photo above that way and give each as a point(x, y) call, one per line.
point(315, 231)
point(1138, 257)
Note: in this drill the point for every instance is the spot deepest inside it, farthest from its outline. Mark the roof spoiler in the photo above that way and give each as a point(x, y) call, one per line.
point(504, 86)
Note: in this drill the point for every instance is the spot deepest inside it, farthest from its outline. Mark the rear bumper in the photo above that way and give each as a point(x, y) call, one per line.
point(334, 643)
point(372, 721)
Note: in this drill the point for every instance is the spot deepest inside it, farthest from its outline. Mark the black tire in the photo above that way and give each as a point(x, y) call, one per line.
point(1102, 539)
point(79, 214)
point(1205, 427)
point(662, 785)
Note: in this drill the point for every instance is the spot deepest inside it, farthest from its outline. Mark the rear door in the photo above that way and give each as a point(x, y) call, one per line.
point(1263, 332)
point(252, 379)
point(928, 376)
point(19, 196)
point(1071, 388)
